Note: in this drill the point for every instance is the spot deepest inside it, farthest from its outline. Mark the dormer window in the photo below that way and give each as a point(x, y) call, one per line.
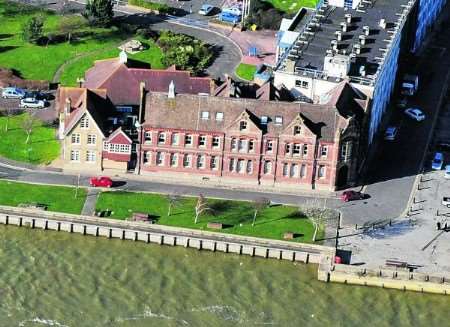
point(219, 116)
point(84, 123)
point(297, 130)
point(264, 120)
point(243, 125)
point(205, 115)
point(278, 120)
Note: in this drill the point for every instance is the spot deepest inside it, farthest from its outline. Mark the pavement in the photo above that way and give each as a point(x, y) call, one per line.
point(91, 201)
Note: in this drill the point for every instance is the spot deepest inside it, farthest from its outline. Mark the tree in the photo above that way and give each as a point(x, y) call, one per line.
point(318, 213)
point(259, 204)
point(69, 24)
point(201, 207)
point(32, 29)
point(174, 201)
point(99, 12)
point(28, 125)
point(8, 112)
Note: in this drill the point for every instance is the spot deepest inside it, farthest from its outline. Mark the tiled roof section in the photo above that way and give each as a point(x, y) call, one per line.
point(347, 100)
point(119, 137)
point(184, 112)
point(122, 82)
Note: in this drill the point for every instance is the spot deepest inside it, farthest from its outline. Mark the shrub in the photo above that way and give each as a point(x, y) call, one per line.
point(32, 29)
point(160, 7)
point(99, 12)
point(264, 16)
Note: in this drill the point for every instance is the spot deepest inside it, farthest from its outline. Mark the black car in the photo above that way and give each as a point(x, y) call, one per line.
point(38, 95)
point(444, 147)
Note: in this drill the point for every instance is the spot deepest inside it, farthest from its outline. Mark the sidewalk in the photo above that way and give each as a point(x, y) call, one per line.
point(91, 201)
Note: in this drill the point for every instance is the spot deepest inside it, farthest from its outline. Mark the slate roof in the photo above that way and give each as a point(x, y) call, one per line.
point(122, 82)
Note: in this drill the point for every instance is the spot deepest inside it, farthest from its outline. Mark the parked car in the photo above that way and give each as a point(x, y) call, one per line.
point(12, 93)
point(205, 10)
point(101, 181)
point(445, 147)
point(32, 103)
point(447, 171)
point(446, 201)
point(438, 161)
point(351, 195)
point(233, 11)
point(402, 102)
point(227, 17)
point(38, 95)
point(415, 114)
point(390, 133)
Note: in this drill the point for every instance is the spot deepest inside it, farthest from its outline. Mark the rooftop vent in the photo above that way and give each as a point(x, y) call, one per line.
point(362, 71)
point(362, 39)
point(357, 48)
point(344, 27)
point(366, 30)
point(348, 18)
point(339, 35)
point(382, 23)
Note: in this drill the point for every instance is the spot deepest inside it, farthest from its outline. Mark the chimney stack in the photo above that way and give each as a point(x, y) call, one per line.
point(171, 94)
point(68, 106)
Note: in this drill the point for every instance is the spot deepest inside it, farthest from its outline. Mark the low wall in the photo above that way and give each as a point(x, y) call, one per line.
point(166, 235)
point(399, 279)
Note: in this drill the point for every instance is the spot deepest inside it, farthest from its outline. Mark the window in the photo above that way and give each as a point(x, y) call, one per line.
point(219, 116)
point(264, 120)
point(305, 149)
point(75, 138)
point(75, 155)
point(287, 148)
point(240, 166)
point(285, 169)
point(243, 125)
point(159, 158)
point(269, 146)
point(242, 145)
point(251, 145)
point(214, 164)
point(232, 164)
point(187, 160)
point(297, 130)
point(188, 140)
point(321, 171)
point(147, 157)
point(124, 148)
point(148, 137)
point(294, 170)
point(267, 169)
point(201, 162)
point(324, 151)
point(302, 171)
point(301, 84)
point(297, 148)
point(175, 138)
point(278, 120)
point(215, 142)
point(90, 156)
point(91, 139)
point(161, 138)
point(249, 167)
point(233, 144)
point(105, 146)
point(205, 115)
point(84, 123)
point(202, 141)
point(173, 160)
point(345, 150)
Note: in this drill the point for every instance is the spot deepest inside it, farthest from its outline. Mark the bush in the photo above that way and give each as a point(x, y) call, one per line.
point(33, 28)
point(185, 52)
point(147, 33)
point(160, 7)
point(264, 16)
point(99, 12)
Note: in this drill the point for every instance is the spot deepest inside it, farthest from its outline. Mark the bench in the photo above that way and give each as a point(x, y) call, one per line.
point(396, 263)
point(288, 235)
point(140, 216)
point(215, 225)
point(33, 205)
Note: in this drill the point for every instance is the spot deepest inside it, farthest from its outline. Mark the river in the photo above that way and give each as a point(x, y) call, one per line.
point(61, 279)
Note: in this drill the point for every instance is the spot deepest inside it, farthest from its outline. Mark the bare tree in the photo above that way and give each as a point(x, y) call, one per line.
point(70, 24)
point(28, 125)
point(201, 207)
point(259, 204)
point(174, 201)
point(318, 213)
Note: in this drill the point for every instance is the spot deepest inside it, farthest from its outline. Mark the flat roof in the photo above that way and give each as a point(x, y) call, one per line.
point(310, 55)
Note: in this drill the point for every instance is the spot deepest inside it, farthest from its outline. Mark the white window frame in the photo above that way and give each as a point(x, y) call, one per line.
point(219, 116)
point(201, 162)
point(204, 115)
point(75, 155)
point(189, 137)
point(267, 167)
point(202, 139)
point(91, 156)
point(269, 144)
point(148, 137)
point(161, 138)
point(160, 158)
point(147, 157)
point(76, 137)
point(322, 171)
point(214, 163)
point(84, 122)
point(173, 160)
point(216, 142)
point(324, 151)
point(187, 161)
point(175, 139)
point(91, 139)
point(278, 120)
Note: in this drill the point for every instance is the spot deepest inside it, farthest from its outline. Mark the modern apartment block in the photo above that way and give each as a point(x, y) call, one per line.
point(360, 41)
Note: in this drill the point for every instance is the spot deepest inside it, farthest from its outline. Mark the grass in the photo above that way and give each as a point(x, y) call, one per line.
point(42, 147)
point(56, 198)
point(271, 223)
point(246, 71)
point(152, 55)
point(292, 6)
point(41, 62)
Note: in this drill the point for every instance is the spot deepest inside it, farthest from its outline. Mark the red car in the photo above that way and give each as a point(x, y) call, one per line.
point(101, 181)
point(351, 195)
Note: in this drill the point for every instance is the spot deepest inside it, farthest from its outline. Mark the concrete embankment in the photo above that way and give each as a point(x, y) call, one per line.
point(166, 235)
point(399, 279)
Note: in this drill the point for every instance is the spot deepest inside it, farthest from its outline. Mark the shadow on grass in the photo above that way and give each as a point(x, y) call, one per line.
point(7, 48)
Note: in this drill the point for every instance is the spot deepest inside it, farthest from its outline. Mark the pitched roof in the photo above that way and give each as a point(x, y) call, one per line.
point(184, 112)
point(122, 82)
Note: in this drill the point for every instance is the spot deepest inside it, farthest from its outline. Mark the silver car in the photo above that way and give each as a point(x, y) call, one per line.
point(415, 114)
point(32, 103)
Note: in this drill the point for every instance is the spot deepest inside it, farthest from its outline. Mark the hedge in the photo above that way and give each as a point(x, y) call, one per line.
point(160, 7)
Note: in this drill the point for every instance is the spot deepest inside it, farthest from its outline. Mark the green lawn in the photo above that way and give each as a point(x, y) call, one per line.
point(42, 62)
point(246, 71)
point(42, 147)
point(292, 6)
point(151, 55)
point(270, 223)
point(56, 198)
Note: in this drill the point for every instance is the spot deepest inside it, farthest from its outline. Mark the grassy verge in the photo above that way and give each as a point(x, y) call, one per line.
point(152, 55)
point(42, 147)
point(246, 71)
point(237, 216)
point(159, 7)
point(56, 198)
point(292, 6)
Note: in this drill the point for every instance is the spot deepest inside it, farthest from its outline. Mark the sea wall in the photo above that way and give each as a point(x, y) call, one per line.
point(166, 235)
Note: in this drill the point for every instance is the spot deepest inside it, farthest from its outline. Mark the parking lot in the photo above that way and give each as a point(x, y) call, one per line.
point(190, 8)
